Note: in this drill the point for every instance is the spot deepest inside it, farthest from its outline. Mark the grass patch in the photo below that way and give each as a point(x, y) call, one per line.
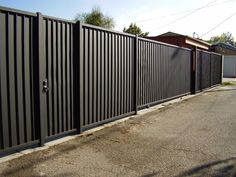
point(229, 83)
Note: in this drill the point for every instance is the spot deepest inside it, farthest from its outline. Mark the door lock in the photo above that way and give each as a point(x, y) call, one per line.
point(45, 86)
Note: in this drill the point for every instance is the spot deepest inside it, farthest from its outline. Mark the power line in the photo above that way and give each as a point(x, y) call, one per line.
point(184, 16)
point(219, 24)
point(181, 12)
point(164, 16)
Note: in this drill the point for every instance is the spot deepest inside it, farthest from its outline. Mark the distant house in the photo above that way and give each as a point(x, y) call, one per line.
point(224, 49)
point(229, 52)
point(181, 40)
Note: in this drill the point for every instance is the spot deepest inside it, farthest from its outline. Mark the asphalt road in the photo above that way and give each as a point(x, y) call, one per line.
point(196, 137)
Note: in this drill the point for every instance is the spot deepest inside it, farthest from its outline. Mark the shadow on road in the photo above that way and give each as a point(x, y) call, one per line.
point(221, 168)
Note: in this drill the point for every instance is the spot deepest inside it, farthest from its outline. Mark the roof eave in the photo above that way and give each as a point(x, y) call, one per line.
point(197, 44)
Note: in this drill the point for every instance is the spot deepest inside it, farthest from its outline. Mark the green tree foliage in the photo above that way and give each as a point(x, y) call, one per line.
point(225, 38)
point(96, 17)
point(134, 29)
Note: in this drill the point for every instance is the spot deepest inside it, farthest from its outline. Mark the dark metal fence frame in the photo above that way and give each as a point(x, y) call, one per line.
point(76, 57)
point(168, 58)
point(202, 73)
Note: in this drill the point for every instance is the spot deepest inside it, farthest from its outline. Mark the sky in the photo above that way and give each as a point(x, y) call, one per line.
point(206, 18)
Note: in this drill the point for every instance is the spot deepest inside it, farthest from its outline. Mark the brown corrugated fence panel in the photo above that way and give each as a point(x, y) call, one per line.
point(58, 43)
point(216, 69)
point(17, 122)
point(209, 69)
point(203, 70)
point(108, 75)
point(164, 72)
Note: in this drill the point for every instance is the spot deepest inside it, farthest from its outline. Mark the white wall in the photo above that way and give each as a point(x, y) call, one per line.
point(229, 69)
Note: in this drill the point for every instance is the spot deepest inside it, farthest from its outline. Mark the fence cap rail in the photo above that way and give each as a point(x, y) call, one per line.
point(107, 30)
point(162, 43)
point(21, 12)
point(199, 50)
point(58, 19)
point(209, 52)
point(216, 53)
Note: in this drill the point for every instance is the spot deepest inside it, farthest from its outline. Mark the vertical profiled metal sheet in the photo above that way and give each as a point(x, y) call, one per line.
point(203, 70)
point(17, 120)
point(216, 69)
point(108, 75)
point(164, 72)
point(58, 36)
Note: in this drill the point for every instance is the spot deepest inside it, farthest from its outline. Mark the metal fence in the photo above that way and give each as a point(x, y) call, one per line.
point(106, 76)
point(216, 69)
point(209, 69)
point(18, 122)
point(164, 72)
point(58, 74)
point(59, 77)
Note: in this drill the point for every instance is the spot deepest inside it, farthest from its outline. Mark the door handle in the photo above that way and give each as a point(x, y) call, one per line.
point(45, 86)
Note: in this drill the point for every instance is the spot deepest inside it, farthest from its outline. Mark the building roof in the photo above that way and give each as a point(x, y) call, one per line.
point(176, 34)
point(224, 48)
point(225, 45)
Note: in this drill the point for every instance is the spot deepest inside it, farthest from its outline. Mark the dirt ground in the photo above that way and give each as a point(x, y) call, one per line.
point(196, 137)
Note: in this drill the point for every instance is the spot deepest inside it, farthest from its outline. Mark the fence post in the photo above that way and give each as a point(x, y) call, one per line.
point(40, 64)
point(78, 75)
point(136, 74)
point(193, 70)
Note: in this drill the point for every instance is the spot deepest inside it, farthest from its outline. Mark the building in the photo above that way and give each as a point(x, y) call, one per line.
point(229, 52)
point(224, 49)
point(182, 41)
